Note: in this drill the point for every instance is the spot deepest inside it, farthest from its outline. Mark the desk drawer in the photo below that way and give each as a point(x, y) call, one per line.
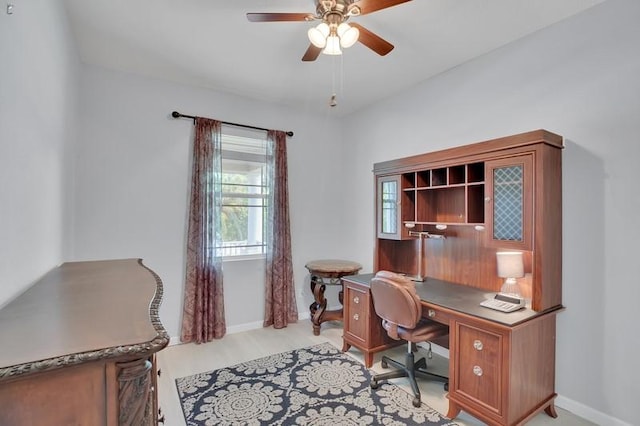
point(357, 313)
point(479, 366)
point(436, 313)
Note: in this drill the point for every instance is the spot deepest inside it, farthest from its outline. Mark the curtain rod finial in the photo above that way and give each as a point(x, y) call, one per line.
point(175, 114)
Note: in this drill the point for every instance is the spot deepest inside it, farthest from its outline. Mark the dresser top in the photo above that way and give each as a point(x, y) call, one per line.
point(82, 311)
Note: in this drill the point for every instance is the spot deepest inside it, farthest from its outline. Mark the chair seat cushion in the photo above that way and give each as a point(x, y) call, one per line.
point(425, 330)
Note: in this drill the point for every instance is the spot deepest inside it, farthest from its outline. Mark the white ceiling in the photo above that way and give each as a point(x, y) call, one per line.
point(210, 43)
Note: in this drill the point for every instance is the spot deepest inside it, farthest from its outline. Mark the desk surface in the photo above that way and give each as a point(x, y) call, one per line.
point(463, 299)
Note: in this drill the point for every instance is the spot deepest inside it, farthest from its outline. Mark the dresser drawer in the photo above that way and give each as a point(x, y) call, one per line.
point(479, 375)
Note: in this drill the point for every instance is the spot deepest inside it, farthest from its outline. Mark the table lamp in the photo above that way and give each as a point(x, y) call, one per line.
point(510, 267)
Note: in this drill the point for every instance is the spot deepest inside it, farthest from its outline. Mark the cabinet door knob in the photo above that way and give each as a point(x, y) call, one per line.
point(356, 317)
point(477, 344)
point(159, 372)
point(431, 313)
point(477, 370)
point(356, 299)
point(487, 199)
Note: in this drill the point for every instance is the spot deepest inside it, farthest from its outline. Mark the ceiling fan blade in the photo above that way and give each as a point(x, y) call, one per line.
point(369, 6)
point(278, 17)
point(312, 53)
point(373, 41)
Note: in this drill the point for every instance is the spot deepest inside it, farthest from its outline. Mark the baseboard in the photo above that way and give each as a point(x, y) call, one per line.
point(588, 413)
point(175, 340)
point(304, 316)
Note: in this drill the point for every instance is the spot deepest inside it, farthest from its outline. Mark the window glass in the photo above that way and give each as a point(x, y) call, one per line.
point(244, 194)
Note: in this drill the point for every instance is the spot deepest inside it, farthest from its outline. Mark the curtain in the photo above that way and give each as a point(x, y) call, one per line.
point(203, 311)
point(280, 296)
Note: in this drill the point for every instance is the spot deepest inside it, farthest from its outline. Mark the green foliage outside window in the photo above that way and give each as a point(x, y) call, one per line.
point(235, 212)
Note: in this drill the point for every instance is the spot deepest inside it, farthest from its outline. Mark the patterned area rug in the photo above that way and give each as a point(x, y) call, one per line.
point(318, 385)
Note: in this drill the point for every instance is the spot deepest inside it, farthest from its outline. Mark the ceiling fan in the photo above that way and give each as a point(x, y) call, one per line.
point(333, 31)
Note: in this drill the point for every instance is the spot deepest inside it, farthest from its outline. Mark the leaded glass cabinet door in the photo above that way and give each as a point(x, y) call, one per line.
point(509, 202)
point(389, 207)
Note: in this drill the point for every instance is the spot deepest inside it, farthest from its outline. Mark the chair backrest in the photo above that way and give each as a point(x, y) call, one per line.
point(395, 299)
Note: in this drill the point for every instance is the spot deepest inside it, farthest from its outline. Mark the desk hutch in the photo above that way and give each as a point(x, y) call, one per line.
point(458, 207)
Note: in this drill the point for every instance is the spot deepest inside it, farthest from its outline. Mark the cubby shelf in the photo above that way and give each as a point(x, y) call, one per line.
point(447, 195)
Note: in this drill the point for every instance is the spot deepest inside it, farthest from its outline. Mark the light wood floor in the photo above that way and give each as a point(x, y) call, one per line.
point(184, 360)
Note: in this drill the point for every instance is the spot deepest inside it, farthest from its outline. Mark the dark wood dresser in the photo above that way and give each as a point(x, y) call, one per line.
point(78, 347)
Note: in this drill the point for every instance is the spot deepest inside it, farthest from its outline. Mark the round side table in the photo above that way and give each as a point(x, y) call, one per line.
point(327, 272)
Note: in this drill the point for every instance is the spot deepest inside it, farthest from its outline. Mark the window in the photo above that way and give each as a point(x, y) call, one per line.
point(244, 192)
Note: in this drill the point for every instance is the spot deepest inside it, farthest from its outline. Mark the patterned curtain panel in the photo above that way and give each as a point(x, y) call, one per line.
point(203, 312)
point(280, 297)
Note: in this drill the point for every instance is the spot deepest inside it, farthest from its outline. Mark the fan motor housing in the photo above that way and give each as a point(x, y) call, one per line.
point(333, 7)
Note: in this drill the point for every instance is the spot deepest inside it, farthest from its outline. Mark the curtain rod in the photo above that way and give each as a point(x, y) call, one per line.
point(176, 114)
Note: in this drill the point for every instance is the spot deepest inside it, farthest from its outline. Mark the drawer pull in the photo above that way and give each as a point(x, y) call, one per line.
point(356, 299)
point(477, 370)
point(477, 344)
point(356, 317)
point(431, 313)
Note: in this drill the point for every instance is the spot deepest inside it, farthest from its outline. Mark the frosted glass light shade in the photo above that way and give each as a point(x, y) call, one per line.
point(318, 35)
point(333, 46)
point(348, 35)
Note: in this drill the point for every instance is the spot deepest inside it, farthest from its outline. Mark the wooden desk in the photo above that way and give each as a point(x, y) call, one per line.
point(501, 366)
point(78, 347)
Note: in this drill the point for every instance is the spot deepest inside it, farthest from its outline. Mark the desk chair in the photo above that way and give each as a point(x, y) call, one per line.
point(396, 302)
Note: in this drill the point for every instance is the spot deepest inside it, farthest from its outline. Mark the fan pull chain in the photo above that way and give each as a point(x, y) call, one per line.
point(333, 100)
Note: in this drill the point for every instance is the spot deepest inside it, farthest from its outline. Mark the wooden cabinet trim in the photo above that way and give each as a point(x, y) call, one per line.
point(478, 150)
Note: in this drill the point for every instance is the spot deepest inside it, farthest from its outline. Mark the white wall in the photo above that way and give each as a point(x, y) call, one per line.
point(133, 166)
point(38, 94)
point(579, 78)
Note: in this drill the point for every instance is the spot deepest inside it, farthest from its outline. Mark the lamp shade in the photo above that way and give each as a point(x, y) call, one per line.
point(510, 264)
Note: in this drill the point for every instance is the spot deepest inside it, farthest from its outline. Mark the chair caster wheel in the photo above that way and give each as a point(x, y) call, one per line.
point(384, 364)
point(446, 387)
point(416, 402)
point(374, 384)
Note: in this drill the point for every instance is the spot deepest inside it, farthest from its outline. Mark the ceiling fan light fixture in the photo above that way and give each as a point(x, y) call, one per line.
point(318, 35)
point(348, 35)
point(333, 46)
